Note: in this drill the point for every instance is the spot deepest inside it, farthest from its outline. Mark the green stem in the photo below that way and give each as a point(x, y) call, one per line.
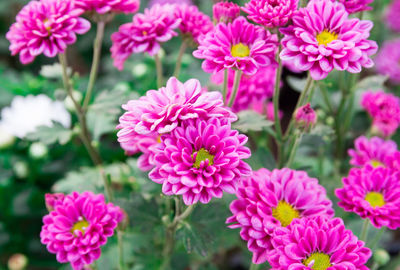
point(278, 128)
point(326, 98)
point(225, 87)
point(364, 230)
point(95, 63)
point(254, 266)
point(120, 250)
point(179, 59)
point(377, 238)
point(159, 71)
point(293, 150)
point(375, 266)
point(236, 83)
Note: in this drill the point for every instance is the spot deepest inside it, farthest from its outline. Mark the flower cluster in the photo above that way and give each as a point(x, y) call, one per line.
point(388, 59)
point(107, 6)
point(323, 38)
point(78, 226)
point(393, 16)
point(354, 6)
point(45, 27)
point(225, 12)
point(226, 47)
point(271, 200)
point(144, 34)
point(384, 108)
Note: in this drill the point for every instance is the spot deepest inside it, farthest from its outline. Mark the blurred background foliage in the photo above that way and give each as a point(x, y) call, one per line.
point(26, 174)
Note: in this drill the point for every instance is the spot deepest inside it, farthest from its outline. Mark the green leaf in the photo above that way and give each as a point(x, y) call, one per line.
point(374, 83)
point(192, 239)
point(50, 135)
point(251, 121)
point(297, 84)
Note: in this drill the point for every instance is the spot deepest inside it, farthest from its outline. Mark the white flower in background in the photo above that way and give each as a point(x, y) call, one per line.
point(53, 71)
point(25, 114)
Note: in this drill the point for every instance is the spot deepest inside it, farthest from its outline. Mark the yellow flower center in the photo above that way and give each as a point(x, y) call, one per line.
point(159, 138)
point(202, 155)
point(144, 33)
point(318, 261)
point(375, 163)
point(240, 50)
point(81, 226)
point(47, 26)
point(375, 199)
point(285, 213)
point(326, 37)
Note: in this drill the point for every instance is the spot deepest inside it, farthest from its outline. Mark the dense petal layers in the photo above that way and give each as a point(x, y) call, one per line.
point(271, 199)
point(201, 159)
point(388, 59)
point(323, 38)
point(78, 226)
point(106, 6)
point(45, 27)
point(354, 6)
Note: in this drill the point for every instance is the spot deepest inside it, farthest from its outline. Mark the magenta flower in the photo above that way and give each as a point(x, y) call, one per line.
point(323, 38)
point(162, 110)
point(45, 27)
point(269, 110)
point(200, 160)
point(271, 13)
point(225, 12)
point(393, 16)
point(107, 6)
point(374, 151)
point(318, 244)
point(53, 199)
point(384, 108)
point(163, 2)
point(305, 116)
point(388, 59)
point(354, 6)
point(253, 90)
point(78, 226)
point(194, 23)
point(238, 45)
point(144, 34)
point(270, 200)
point(372, 193)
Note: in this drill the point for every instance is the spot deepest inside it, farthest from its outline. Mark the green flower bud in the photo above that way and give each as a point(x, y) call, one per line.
point(381, 257)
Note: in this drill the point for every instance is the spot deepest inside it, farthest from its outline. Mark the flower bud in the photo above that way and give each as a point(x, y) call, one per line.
point(38, 150)
point(52, 200)
point(139, 70)
point(381, 257)
point(69, 104)
point(17, 262)
point(225, 12)
point(305, 116)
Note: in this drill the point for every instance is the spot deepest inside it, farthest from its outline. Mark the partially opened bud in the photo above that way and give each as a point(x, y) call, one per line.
point(225, 12)
point(53, 199)
point(305, 116)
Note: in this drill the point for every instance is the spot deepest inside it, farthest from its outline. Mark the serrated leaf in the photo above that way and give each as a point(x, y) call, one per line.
point(50, 135)
point(372, 83)
point(192, 240)
point(251, 121)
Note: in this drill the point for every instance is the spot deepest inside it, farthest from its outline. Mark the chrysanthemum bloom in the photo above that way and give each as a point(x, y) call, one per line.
point(162, 110)
point(194, 23)
point(318, 244)
point(374, 151)
point(107, 6)
point(144, 34)
point(388, 59)
point(26, 114)
point(305, 116)
point(270, 200)
point(46, 26)
point(354, 6)
point(372, 193)
point(239, 45)
point(200, 160)
point(77, 228)
point(271, 13)
point(163, 2)
point(393, 16)
point(384, 108)
point(252, 89)
point(53, 199)
point(225, 11)
point(134, 143)
point(323, 38)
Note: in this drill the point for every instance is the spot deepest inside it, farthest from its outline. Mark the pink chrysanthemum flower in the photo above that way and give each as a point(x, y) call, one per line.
point(374, 151)
point(388, 60)
point(78, 226)
point(372, 193)
point(384, 108)
point(144, 34)
point(162, 110)
point(225, 12)
point(270, 200)
point(393, 16)
point(318, 244)
point(238, 45)
point(163, 2)
point(46, 26)
point(354, 6)
point(271, 13)
point(252, 89)
point(305, 116)
point(107, 6)
point(323, 38)
point(200, 160)
point(194, 23)
point(53, 199)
